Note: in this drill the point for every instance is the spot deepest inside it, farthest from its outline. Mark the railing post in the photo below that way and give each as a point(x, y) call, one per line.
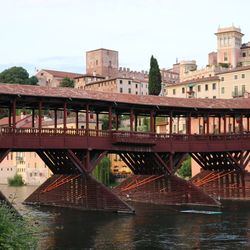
point(248, 124)
point(77, 120)
point(241, 124)
point(225, 126)
point(64, 117)
point(136, 122)
point(208, 124)
point(151, 121)
point(9, 117)
point(170, 124)
point(87, 119)
point(219, 125)
point(97, 124)
point(39, 116)
point(14, 113)
point(117, 121)
point(234, 124)
point(55, 117)
point(110, 118)
point(33, 117)
point(131, 120)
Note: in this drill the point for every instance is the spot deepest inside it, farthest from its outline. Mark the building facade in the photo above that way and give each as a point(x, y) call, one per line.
point(119, 85)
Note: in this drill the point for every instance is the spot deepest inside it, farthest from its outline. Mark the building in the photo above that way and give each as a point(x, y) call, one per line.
point(103, 62)
point(232, 83)
point(229, 42)
point(52, 78)
point(119, 85)
point(27, 164)
point(226, 76)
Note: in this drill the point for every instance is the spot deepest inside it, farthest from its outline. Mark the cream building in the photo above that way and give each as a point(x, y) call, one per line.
point(232, 83)
point(119, 85)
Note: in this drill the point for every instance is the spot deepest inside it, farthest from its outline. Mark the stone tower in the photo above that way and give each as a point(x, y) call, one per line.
point(229, 41)
point(102, 62)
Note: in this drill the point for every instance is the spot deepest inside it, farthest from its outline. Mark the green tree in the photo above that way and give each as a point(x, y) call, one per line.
point(16, 181)
point(17, 75)
point(185, 169)
point(67, 83)
point(33, 80)
point(102, 171)
point(154, 82)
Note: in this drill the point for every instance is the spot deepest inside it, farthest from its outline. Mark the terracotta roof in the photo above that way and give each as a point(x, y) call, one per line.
point(101, 49)
point(62, 74)
point(89, 75)
point(160, 101)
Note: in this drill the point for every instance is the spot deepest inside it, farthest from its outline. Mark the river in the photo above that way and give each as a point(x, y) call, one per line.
point(153, 227)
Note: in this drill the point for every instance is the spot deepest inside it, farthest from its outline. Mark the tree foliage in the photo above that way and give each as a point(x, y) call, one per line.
point(154, 82)
point(16, 181)
point(185, 169)
point(102, 171)
point(67, 83)
point(17, 75)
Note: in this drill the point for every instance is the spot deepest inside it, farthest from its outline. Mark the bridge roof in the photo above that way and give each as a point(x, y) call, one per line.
point(156, 101)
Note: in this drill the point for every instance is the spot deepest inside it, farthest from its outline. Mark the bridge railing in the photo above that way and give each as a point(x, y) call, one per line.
point(122, 136)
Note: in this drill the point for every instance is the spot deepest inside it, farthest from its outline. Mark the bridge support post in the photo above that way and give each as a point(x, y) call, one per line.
point(72, 184)
point(4, 153)
point(79, 191)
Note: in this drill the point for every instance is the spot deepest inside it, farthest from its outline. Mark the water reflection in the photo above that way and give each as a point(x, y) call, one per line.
point(153, 227)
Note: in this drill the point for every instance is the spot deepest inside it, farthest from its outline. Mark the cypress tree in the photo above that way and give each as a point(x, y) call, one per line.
point(154, 82)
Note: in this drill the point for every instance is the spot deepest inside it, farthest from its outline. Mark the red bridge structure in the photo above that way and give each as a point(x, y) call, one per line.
point(216, 133)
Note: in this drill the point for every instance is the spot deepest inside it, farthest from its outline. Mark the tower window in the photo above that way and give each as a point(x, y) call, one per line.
point(206, 87)
point(183, 90)
point(235, 77)
point(96, 62)
point(214, 86)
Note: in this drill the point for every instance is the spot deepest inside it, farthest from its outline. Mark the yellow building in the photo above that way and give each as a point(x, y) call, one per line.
point(231, 83)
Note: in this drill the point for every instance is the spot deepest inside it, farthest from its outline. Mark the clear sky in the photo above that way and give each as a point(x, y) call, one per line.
point(55, 34)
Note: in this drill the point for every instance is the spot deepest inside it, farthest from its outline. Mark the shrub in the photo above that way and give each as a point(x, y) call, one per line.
point(15, 232)
point(16, 181)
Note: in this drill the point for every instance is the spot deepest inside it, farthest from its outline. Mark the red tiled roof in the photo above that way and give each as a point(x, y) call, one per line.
point(89, 75)
point(62, 74)
point(28, 90)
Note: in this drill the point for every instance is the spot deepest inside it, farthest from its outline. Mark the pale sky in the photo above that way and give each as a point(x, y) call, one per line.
point(55, 34)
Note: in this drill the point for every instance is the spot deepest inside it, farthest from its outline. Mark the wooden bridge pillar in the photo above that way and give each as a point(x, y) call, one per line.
point(14, 113)
point(72, 184)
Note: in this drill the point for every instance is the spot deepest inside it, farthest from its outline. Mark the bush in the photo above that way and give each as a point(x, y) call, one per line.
point(16, 181)
point(185, 169)
point(15, 232)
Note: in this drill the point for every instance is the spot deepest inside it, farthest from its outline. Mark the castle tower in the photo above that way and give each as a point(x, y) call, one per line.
point(102, 62)
point(229, 41)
